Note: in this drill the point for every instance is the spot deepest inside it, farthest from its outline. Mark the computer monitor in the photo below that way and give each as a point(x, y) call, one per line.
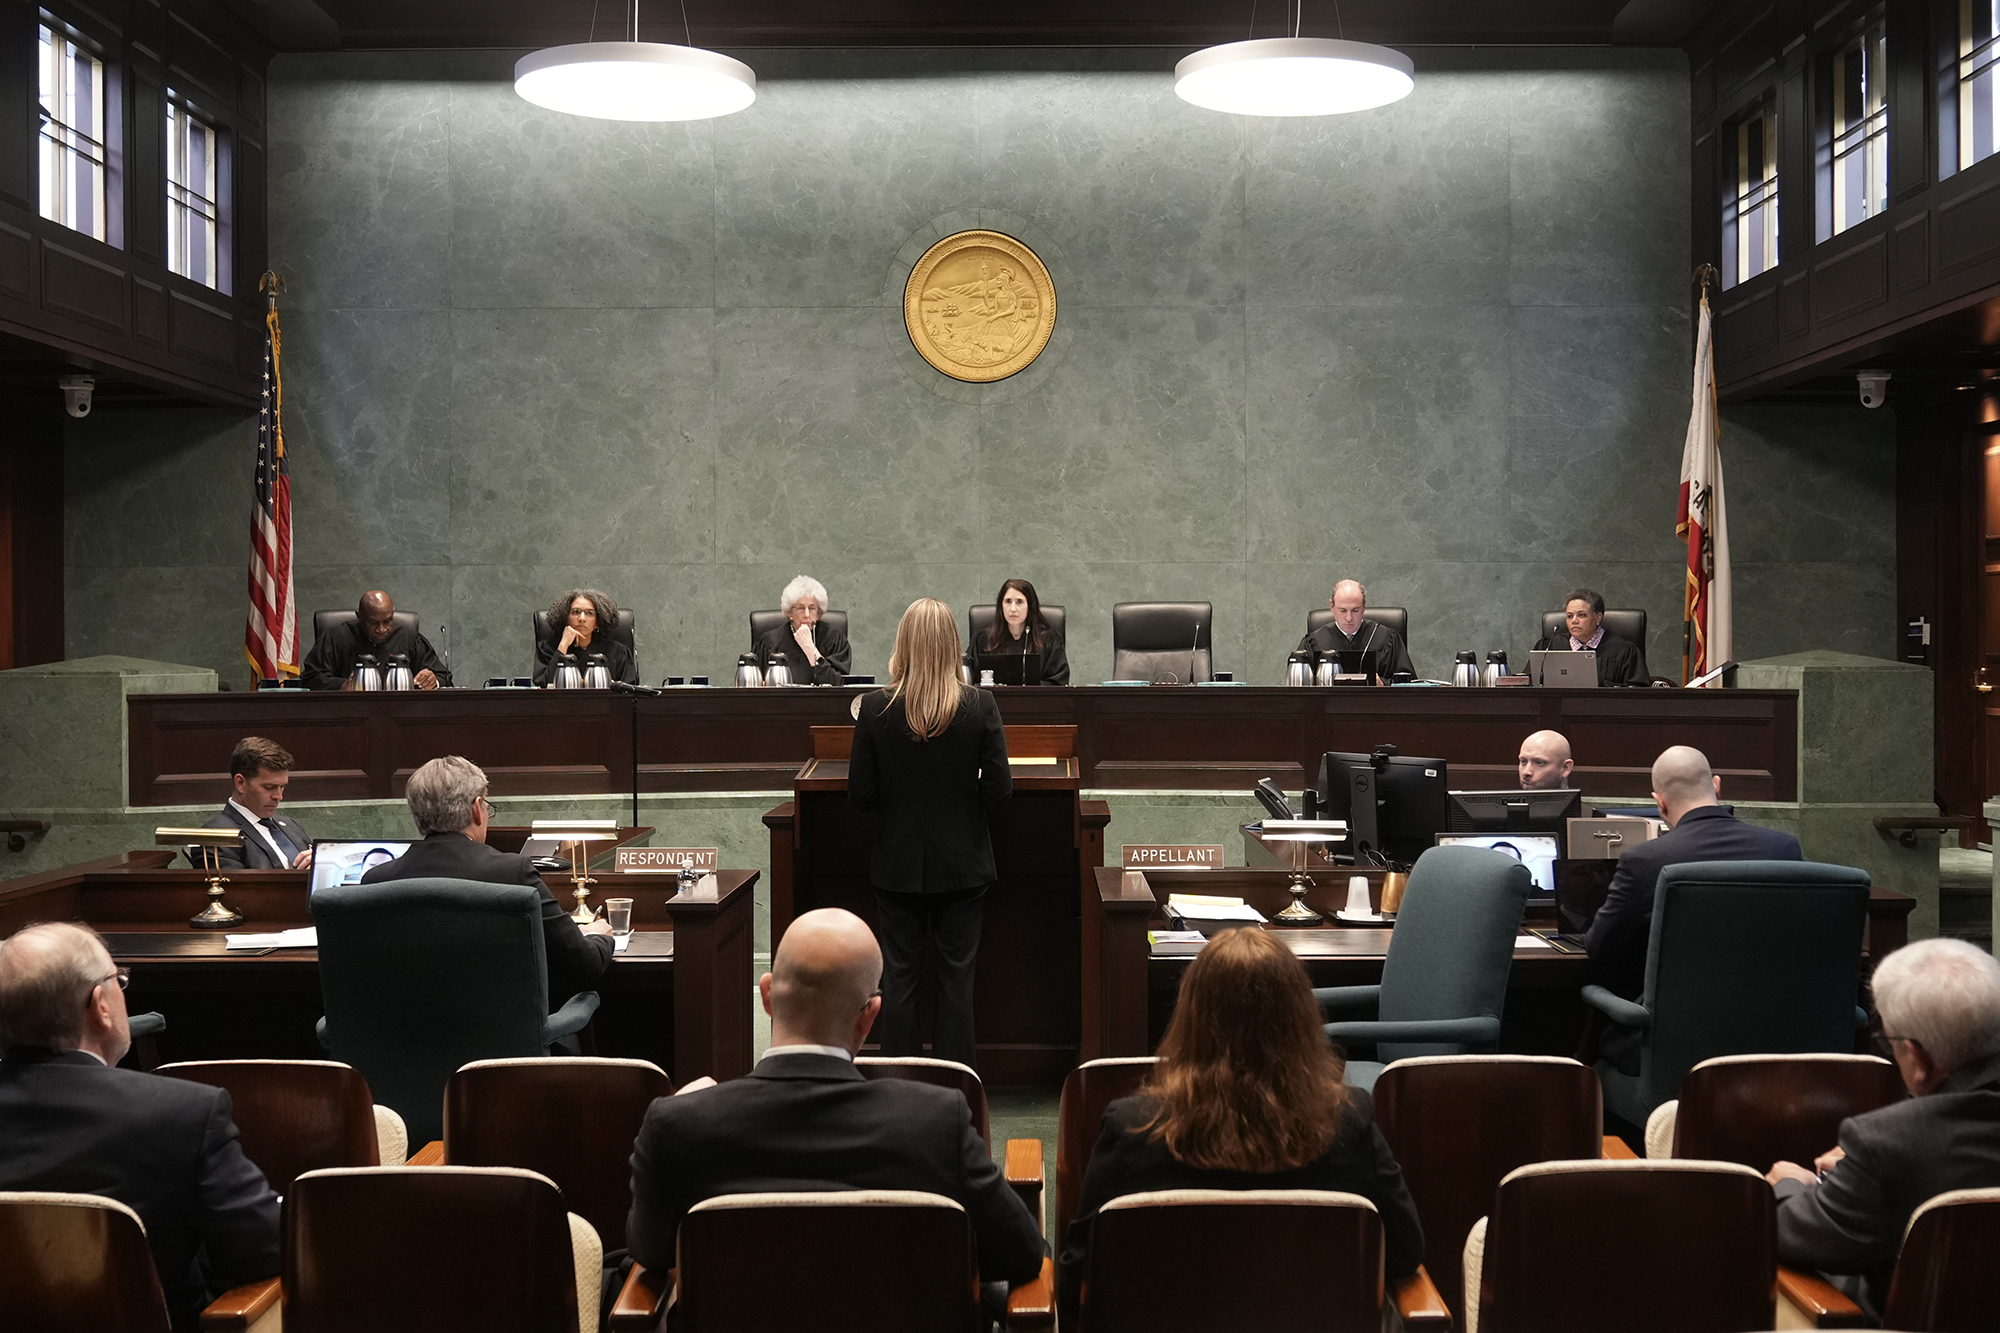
point(1537, 851)
point(1009, 668)
point(1408, 809)
point(1518, 811)
point(341, 861)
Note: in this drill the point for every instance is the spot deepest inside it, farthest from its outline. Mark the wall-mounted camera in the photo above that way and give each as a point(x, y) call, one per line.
point(76, 390)
point(1874, 387)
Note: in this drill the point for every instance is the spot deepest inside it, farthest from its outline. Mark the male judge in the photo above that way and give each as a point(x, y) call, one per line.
point(1618, 662)
point(815, 652)
point(166, 1148)
point(447, 798)
point(806, 1119)
point(1545, 762)
point(373, 631)
point(259, 770)
point(1352, 631)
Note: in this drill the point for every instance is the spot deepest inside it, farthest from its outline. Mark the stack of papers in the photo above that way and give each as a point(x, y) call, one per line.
point(1212, 911)
point(305, 937)
point(1176, 941)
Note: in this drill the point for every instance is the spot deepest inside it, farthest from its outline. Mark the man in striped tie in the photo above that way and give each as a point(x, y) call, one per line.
point(259, 770)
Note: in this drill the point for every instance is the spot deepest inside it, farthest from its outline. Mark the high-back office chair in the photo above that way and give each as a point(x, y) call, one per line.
point(422, 976)
point(979, 619)
point(1643, 1247)
point(1163, 641)
point(325, 621)
point(552, 634)
point(76, 1261)
point(1459, 1123)
point(295, 1116)
point(445, 1248)
point(1629, 625)
point(571, 1119)
point(951, 1074)
point(1745, 957)
point(1444, 983)
point(1388, 617)
point(1948, 1275)
point(763, 622)
point(148, 1028)
point(1760, 1109)
point(1086, 1091)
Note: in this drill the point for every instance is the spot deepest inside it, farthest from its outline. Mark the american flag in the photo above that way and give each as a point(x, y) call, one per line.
point(271, 633)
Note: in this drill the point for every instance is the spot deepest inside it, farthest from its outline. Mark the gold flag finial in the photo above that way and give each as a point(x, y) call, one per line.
point(272, 285)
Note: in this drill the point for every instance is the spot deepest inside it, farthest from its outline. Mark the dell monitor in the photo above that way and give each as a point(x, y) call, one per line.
point(1407, 809)
point(1522, 811)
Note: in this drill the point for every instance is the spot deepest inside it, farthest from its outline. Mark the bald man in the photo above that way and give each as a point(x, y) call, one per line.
point(1352, 631)
point(1699, 828)
point(373, 631)
point(1545, 761)
point(806, 1119)
point(164, 1147)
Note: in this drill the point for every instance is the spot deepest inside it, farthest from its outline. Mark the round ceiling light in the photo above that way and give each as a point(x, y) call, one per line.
point(1294, 76)
point(635, 81)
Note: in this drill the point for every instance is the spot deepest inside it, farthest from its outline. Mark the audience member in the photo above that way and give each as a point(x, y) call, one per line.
point(1247, 1095)
point(1545, 761)
point(166, 1148)
point(806, 1119)
point(259, 771)
point(447, 798)
point(1940, 1006)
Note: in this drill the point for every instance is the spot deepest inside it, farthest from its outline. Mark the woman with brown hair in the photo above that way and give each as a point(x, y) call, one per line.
point(930, 759)
point(1019, 627)
point(1247, 1095)
point(583, 619)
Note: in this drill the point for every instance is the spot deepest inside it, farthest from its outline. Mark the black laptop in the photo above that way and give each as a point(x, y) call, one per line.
point(1581, 888)
point(1009, 668)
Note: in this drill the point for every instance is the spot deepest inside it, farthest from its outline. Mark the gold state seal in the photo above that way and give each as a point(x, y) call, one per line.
point(979, 306)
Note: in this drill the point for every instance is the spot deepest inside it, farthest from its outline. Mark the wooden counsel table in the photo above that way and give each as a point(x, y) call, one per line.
point(1046, 844)
point(678, 996)
point(547, 742)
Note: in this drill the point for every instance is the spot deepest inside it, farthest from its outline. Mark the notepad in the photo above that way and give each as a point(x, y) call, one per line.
point(305, 937)
point(1172, 942)
point(1201, 907)
point(1531, 942)
point(619, 942)
point(1018, 759)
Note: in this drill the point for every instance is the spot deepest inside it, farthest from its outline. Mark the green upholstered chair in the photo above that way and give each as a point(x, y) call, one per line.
point(1445, 980)
point(1745, 957)
point(421, 976)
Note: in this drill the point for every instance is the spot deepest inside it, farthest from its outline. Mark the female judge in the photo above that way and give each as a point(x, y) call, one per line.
point(1019, 627)
point(587, 617)
point(930, 759)
point(1247, 1095)
point(815, 651)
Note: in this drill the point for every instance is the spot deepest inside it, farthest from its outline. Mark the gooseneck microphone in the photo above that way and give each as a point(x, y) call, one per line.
point(1194, 648)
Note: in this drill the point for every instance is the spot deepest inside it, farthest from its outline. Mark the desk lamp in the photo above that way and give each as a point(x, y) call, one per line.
point(578, 834)
point(1302, 834)
point(217, 915)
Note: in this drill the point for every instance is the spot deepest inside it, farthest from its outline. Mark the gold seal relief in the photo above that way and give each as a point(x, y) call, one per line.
point(979, 306)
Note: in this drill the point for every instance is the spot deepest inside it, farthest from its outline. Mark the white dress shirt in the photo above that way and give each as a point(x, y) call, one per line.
point(258, 824)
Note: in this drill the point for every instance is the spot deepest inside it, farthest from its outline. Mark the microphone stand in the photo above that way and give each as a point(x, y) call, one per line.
point(635, 692)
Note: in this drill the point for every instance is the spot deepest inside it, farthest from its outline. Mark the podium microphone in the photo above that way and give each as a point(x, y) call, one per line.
point(621, 687)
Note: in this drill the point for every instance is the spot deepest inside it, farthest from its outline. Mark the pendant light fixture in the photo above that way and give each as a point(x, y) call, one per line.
point(1294, 76)
point(635, 80)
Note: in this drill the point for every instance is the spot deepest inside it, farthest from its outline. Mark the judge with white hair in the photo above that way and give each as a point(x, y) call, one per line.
point(815, 651)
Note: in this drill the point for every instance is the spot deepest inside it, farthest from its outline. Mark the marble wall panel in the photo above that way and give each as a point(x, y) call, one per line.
point(192, 614)
point(1835, 464)
point(156, 488)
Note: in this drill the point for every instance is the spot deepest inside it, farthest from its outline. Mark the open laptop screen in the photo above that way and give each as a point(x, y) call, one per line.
point(1537, 851)
point(345, 862)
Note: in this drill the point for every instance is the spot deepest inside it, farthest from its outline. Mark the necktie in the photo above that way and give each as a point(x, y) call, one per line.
point(291, 853)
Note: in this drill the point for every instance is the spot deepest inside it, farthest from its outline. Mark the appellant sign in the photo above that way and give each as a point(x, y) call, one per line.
point(1178, 856)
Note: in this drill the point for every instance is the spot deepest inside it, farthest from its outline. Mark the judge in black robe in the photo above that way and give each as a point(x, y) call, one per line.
point(376, 633)
point(1384, 648)
point(579, 614)
point(804, 602)
point(1619, 662)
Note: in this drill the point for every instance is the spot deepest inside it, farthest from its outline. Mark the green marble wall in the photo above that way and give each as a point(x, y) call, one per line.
point(62, 729)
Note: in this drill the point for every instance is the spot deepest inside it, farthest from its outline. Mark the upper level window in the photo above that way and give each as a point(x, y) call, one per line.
point(193, 215)
point(1860, 129)
point(1978, 59)
point(1750, 212)
point(72, 139)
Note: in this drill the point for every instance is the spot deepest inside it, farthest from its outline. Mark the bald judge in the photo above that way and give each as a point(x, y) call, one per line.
point(373, 631)
point(1352, 632)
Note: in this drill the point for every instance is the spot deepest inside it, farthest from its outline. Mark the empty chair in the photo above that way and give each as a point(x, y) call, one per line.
point(438, 1249)
point(570, 1119)
point(1459, 1123)
point(147, 1029)
point(1444, 982)
point(1086, 1091)
point(423, 976)
point(1948, 1275)
point(1579, 1247)
point(1760, 1109)
point(295, 1116)
point(937, 1073)
point(76, 1261)
point(1163, 641)
point(1745, 957)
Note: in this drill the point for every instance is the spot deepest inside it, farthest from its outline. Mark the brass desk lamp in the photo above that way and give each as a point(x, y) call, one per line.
point(1302, 834)
point(217, 915)
point(578, 834)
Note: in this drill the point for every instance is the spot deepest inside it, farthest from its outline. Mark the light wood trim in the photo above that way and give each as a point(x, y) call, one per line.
point(1420, 1305)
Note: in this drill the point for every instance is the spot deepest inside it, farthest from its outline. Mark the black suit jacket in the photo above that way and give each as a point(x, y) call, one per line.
point(1623, 926)
point(1126, 1161)
point(1619, 661)
point(836, 659)
point(618, 660)
point(1386, 652)
point(332, 658)
point(164, 1147)
point(1897, 1157)
point(1054, 657)
point(255, 854)
point(815, 1122)
point(930, 797)
point(576, 960)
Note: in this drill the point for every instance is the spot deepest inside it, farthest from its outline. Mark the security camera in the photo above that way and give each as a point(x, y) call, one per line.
point(1874, 387)
point(76, 393)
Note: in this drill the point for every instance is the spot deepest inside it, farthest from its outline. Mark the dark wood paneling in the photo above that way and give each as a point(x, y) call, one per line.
point(1910, 253)
point(16, 262)
point(202, 331)
point(1748, 319)
point(82, 287)
point(146, 176)
point(1968, 225)
point(18, 100)
point(1794, 304)
point(149, 312)
point(1746, 53)
point(1848, 281)
point(199, 69)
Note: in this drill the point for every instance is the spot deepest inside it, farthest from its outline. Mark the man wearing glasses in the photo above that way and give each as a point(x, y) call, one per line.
point(447, 798)
point(166, 1148)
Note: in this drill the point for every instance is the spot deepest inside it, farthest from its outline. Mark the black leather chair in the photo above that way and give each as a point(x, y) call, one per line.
point(323, 621)
point(1163, 641)
point(763, 622)
point(622, 631)
point(979, 619)
point(1388, 617)
point(1627, 625)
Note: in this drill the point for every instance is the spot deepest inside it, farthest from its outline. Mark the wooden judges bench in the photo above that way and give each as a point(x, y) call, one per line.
point(546, 742)
point(678, 996)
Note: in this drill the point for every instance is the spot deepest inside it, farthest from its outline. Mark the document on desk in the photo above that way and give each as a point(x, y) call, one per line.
point(1531, 942)
point(1221, 911)
point(306, 937)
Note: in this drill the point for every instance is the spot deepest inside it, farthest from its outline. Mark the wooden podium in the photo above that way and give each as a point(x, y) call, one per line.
point(1047, 845)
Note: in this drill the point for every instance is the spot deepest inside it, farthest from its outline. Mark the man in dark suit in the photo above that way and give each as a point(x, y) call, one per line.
point(447, 798)
point(1618, 662)
point(1699, 828)
point(259, 770)
point(1940, 1006)
point(166, 1148)
point(806, 1119)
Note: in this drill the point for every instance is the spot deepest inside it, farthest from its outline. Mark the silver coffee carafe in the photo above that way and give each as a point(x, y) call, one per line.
point(1326, 670)
point(1299, 668)
point(1495, 668)
point(780, 672)
point(365, 676)
point(1466, 672)
point(568, 677)
point(399, 676)
point(747, 674)
point(596, 674)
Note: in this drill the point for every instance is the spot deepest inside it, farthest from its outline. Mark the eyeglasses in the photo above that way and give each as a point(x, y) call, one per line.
point(121, 975)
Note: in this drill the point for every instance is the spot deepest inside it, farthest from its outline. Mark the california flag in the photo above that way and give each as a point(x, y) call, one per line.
point(1709, 641)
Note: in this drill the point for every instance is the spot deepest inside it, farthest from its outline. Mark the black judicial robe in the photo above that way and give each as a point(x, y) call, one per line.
point(618, 659)
point(1386, 653)
point(1055, 660)
point(334, 654)
point(835, 657)
point(1619, 661)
